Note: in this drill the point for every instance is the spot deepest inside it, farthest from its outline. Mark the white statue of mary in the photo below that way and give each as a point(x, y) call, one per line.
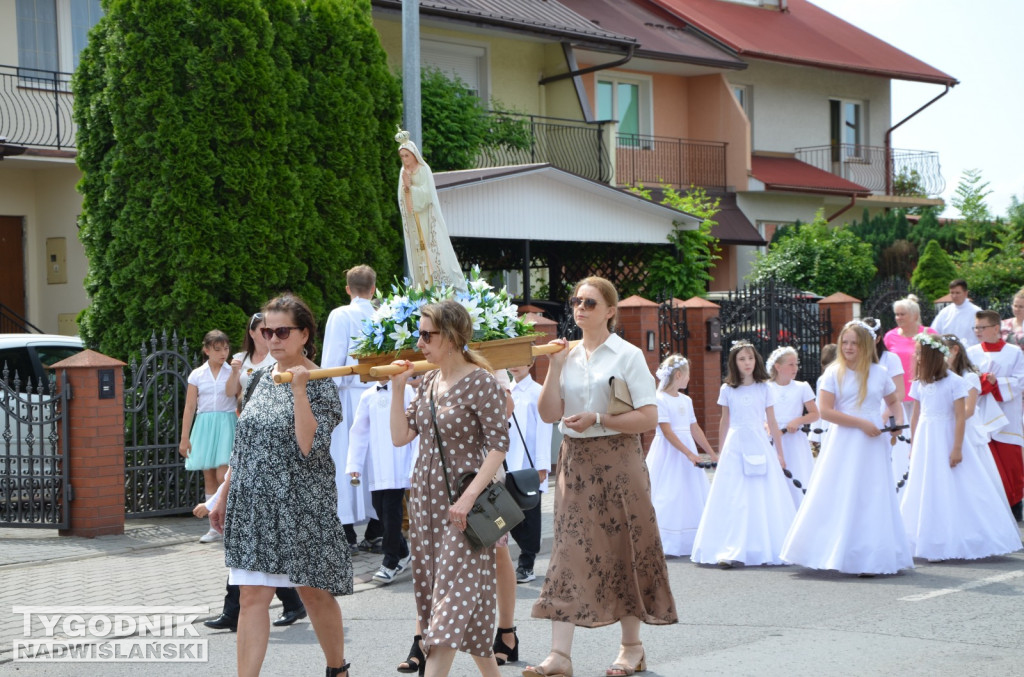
point(428, 248)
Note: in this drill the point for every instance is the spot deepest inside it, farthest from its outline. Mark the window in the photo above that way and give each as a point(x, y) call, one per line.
point(468, 62)
point(52, 33)
point(627, 100)
point(847, 129)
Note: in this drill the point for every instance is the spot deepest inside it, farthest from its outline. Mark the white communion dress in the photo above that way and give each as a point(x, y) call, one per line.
point(749, 508)
point(679, 489)
point(849, 520)
point(796, 448)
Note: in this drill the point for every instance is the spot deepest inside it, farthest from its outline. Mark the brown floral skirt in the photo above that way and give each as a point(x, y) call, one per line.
point(606, 562)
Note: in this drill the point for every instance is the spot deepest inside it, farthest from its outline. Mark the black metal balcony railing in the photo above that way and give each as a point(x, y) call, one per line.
point(905, 172)
point(661, 160)
point(35, 107)
point(573, 145)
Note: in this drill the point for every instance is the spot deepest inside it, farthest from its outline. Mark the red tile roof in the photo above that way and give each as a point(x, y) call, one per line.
point(803, 34)
point(658, 33)
point(790, 174)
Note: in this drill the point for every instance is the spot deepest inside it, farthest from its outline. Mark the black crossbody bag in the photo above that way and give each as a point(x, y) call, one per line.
point(524, 484)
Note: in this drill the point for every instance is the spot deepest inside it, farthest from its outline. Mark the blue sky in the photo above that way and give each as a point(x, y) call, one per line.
point(977, 125)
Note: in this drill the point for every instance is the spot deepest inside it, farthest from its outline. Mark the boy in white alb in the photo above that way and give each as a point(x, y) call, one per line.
point(1002, 379)
point(957, 318)
point(369, 445)
point(537, 436)
point(343, 327)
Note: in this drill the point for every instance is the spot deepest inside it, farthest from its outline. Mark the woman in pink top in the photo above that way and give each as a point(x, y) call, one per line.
point(900, 341)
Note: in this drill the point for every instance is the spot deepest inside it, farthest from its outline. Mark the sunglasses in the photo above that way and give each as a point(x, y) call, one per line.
point(428, 335)
point(589, 304)
point(256, 319)
point(281, 332)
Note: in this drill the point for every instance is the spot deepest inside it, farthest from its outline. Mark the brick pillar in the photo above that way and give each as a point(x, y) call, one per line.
point(96, 445)
point(843, 307)
point(705, 367)
point(638, 319)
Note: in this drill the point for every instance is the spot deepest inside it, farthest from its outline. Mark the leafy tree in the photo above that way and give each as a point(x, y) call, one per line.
point(934, 271)
point(685, 270)
point(887, 234)
point(929, 228)
point(996, 272)
point(815, 257)
point(457, 127)
point(1015, 217)
point(975, 218)
point(230, 149)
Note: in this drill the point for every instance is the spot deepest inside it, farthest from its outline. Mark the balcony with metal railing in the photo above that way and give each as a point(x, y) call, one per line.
point(35, 108)
point(661, 160)
point(573, 145)
point(892, 171)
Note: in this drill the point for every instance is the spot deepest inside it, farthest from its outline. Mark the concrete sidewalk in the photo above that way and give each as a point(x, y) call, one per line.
point(156, 562)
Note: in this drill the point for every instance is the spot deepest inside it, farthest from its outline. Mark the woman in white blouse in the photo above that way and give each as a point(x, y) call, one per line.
point(607, 564)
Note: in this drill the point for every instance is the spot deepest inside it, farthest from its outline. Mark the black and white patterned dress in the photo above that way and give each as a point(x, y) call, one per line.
point(282, 510)
point(455, 586)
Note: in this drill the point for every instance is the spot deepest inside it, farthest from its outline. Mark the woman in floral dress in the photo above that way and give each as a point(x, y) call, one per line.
point(607, 564)
point(454, 584)
point(280, 521)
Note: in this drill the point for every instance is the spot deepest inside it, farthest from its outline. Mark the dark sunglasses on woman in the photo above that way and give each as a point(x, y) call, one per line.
point(427, 335)
point(589, 304)
point(281, 332)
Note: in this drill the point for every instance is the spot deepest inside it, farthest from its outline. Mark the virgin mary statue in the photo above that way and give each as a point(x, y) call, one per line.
point(428, 248)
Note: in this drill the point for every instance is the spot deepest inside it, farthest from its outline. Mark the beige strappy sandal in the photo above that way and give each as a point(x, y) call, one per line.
point(622, 667)
point(550, 671)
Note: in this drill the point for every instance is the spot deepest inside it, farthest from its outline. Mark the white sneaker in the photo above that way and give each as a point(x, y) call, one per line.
point(211, 536)
point(403, 563)
point(385, 575)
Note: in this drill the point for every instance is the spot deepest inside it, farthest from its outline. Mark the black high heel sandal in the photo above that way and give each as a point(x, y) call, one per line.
point(415, 661)
point(336, 672)
point(511, 652)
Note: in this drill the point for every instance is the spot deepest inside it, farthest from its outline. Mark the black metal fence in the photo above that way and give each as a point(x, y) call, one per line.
point(13, 323)
point(870, 167)
point(573, 145)
point(35, 107)
point(156, 482)
point(34, 485)
point(659, 160)
point(672, 330)
point(773, 314)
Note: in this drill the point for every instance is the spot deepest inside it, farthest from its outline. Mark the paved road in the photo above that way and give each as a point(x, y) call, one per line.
point(964, 618)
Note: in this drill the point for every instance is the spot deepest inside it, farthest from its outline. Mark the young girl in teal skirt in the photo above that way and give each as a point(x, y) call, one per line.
point(207, 445)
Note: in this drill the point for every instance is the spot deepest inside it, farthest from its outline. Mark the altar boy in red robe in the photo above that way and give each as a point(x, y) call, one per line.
point(1002, 379)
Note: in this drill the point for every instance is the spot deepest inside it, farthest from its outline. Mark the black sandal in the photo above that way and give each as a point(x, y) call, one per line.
point(416, 661)
point(336, 672)
point(511, 653)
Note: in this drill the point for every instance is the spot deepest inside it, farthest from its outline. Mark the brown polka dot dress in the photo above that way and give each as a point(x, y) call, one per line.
point(455, 586)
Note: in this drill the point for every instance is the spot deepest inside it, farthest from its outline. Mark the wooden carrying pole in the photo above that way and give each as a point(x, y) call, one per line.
point(385, 370)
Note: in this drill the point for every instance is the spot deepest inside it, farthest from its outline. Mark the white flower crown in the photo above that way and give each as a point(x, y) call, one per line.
point(933, 343)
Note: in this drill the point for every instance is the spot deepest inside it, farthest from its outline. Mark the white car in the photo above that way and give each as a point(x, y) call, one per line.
point(27, 441)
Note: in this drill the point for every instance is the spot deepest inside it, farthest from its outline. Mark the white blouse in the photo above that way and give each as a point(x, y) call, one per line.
point(584, 383)
point(212, 396)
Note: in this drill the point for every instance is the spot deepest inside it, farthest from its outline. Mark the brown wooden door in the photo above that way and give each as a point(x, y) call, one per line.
point(12, 264)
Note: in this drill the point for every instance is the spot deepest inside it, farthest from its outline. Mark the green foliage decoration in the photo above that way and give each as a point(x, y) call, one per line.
point(684, 271)
point(814, 257)
point(230, 150)
point(934, 271)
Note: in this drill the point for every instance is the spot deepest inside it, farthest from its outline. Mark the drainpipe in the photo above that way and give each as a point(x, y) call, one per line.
point(853, 201)
point(588, 69)
point(888, 139)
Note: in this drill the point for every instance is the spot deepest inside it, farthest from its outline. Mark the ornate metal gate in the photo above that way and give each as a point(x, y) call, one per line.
point(672, 331)
point(156, 482)
point(773, 314)
point(34, 490)
point(886, 292)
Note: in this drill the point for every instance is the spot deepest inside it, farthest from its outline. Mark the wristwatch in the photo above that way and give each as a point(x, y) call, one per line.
point(598, 421)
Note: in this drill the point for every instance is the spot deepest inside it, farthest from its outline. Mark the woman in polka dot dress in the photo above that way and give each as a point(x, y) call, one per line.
point(454, 584)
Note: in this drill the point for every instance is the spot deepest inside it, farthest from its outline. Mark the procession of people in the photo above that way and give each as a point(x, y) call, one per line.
point(412, 456)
